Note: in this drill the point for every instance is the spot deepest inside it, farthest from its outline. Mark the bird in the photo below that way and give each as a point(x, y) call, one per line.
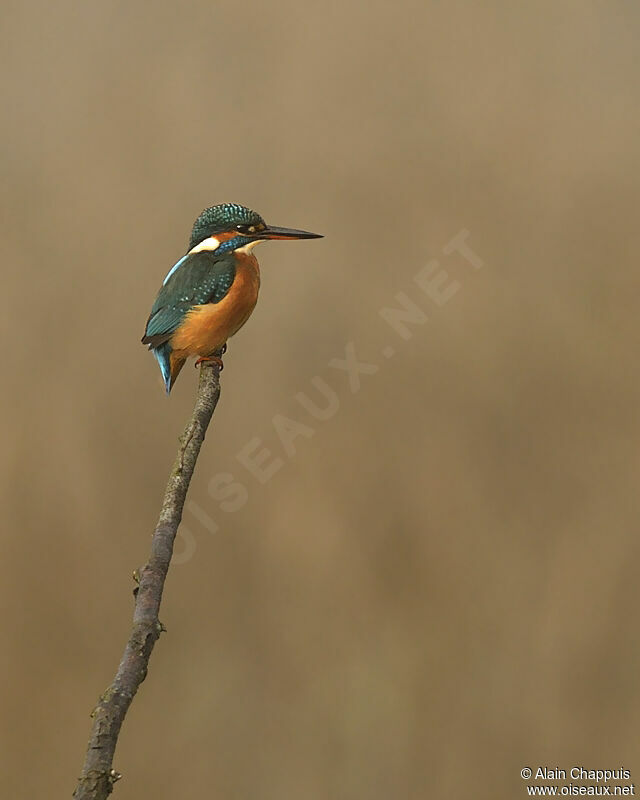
point(209, 294)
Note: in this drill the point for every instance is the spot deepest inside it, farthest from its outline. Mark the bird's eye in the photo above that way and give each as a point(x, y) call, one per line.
point(249, 230)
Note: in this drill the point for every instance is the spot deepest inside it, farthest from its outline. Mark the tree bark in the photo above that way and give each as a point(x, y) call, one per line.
point(98, 776)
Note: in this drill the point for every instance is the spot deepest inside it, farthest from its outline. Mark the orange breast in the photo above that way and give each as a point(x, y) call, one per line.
point(206, 328)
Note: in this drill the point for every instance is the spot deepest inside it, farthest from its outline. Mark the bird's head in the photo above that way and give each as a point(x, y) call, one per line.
point(228, 226)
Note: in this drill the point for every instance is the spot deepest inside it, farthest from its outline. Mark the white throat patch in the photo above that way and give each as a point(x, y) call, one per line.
point(247, 248)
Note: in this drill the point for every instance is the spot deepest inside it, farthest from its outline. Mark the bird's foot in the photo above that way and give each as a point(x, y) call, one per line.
point(210, 360)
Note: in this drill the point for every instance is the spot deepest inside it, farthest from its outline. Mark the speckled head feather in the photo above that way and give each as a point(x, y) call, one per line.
point(221, 218)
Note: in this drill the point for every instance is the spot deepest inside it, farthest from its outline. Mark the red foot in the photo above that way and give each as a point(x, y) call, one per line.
point(210, 360)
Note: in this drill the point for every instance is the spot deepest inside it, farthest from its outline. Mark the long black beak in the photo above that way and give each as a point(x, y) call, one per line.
point(272, 232)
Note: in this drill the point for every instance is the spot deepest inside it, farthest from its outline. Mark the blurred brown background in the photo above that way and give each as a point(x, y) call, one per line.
point(440, 587)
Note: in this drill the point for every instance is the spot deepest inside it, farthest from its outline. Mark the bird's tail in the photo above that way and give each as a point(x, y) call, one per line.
point(170, 365)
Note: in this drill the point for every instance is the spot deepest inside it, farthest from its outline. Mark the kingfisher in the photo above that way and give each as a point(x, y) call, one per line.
point(209, 294)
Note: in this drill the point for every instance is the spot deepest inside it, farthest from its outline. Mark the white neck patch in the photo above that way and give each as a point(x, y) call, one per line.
point(209, 245)
point(206, 244)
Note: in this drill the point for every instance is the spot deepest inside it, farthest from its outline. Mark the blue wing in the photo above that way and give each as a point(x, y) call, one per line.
point(174, 268)
point(202, 278)
point(196, 279)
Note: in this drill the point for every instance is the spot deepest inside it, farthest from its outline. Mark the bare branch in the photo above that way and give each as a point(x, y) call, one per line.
point(98, 775)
